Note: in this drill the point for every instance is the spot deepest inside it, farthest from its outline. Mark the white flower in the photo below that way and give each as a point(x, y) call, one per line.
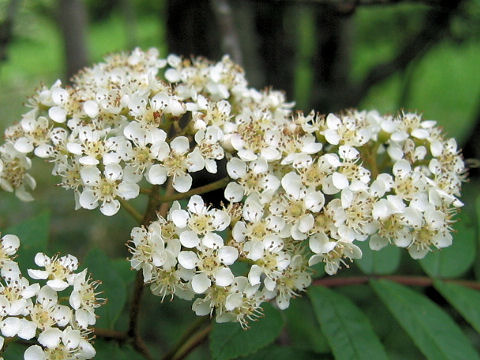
point(115, 183)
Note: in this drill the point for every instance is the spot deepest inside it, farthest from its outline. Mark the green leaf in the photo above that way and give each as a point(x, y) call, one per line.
point(275, 352)
point(465, 300)
point(455, 260)
point(382, 262)
point(303, 329)
point(431, 329)
point(33, 234)
point(122, 267)
point(229, 340)
point(14, 351)
point(113, 287)
point(347, 329)
point(112, 350)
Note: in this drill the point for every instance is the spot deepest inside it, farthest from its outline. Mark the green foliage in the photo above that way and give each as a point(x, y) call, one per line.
point(458, 258)
point(465, 300)
point(112, 350)
point(347, 329)
point(33, 234)
point(430, 328)
point(114, 286)
point(304, 334)
point(229, 340)
point(385, 261)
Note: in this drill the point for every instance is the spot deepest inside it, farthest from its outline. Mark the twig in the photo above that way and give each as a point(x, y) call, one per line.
point(195, 341)
point(141, 347)
point(110, 334)
point(185, 336)
point(199, 190)
point(423, 281)
point(131, 210)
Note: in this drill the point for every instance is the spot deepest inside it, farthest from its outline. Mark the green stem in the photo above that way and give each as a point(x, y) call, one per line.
point(199, 190)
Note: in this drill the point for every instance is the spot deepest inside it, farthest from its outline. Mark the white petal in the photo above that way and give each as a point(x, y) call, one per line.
point(157, 174)
point(228, 255)
point(128, 191)
point(91, 108)
point(180, 218)
point(234, 192)
point(10, 326)
point(200, 283)
point(223, 277)
point(57, 114)
point(88, 200)
point(34, 352)
point(23, 145)
point(188, 259)
point(180, 145)
point(27, 329)
point(110, 208)
point(189, 239)
point(113, 172)
point(90, 175)
point(236, 168)
point(50, 338)
point(212, 241)
point(339, 180)
point(182, 183)
point(377, 242)
point(196, 204)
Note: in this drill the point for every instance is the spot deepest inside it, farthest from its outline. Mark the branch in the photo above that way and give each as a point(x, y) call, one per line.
point(436, 23)
point(108, 334)
point(184, 338)
point(226, 24)
point(423, 281)
point(195, 341)
point(199, 190)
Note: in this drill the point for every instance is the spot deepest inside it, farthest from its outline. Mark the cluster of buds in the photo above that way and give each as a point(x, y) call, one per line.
point(58, 328)
point(301, 189)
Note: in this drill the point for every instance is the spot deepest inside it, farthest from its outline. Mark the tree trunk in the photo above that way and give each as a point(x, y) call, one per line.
point(72, 20)
point(192, 30)
point(331, 60)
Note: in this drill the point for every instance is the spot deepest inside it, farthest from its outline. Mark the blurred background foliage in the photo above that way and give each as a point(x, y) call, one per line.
point(326, 54)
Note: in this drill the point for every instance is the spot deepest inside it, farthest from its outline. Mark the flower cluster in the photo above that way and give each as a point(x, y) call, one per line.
point(38, 313)
point(302, 189)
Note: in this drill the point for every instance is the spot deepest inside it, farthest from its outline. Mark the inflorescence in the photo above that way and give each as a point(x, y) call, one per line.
point(56, 317)
point(302, 189)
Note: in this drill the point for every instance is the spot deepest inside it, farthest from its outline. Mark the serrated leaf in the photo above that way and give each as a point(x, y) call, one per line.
point(382, 262)
point(347, 329)
point(465, 300)
point(431, 329)
point(113, 287)
point(33, 234)
point(457, 259)
point(229, 340)
point(302, 327)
